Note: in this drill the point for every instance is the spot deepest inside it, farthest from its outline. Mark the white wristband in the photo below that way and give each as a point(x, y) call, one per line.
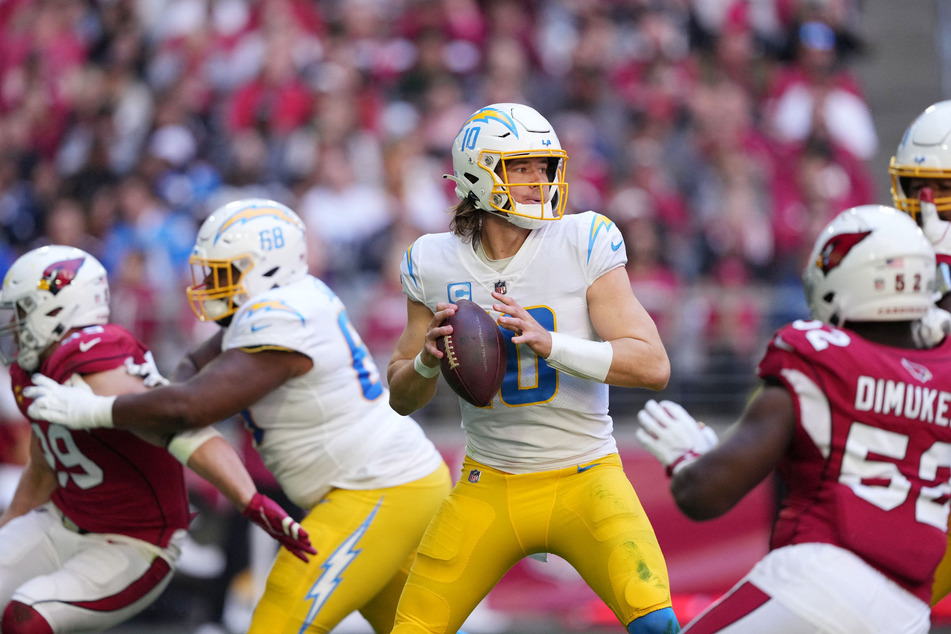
point(580, 357)
point(102, 414)
point(184, 444)
point(422, 369)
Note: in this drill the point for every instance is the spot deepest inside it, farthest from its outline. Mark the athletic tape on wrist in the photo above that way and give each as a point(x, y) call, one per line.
point(580, 357)
point(422, 369)
point(184, 444)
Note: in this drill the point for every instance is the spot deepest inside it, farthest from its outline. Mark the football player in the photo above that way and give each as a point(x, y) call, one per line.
point(921, 185)
point(855, 420)
point(541, 472)
point(97, 521)
point(920, 173)
point(288, 360)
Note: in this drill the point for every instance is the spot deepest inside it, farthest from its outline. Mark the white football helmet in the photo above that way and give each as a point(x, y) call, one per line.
point(243, 249)
point(47, 292)
point(499, 133)
point(871, 263)
point(924, 152)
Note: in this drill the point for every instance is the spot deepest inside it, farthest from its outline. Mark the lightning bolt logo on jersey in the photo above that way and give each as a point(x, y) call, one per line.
point(600, 223)
point(268, 307)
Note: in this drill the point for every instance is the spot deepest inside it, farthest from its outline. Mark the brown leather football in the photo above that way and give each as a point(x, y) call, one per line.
point(474, 354)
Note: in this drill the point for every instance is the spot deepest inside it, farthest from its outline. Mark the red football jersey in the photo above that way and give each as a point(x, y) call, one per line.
point(110, 481)
point(870, 463)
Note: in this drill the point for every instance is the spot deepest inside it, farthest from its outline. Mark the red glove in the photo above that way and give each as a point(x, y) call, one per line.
point(267, 514)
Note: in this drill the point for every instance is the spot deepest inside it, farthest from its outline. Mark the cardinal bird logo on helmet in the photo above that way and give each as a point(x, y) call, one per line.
point(59, 275)
point(837, 248)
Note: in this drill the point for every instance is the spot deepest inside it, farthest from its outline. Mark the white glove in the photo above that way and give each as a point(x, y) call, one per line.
point(147, 370)
point(672, 435)
point(931, 329)
point(72, 406)
point(938, 231)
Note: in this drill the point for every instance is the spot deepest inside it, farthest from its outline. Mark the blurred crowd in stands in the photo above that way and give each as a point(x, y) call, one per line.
point(718, 134)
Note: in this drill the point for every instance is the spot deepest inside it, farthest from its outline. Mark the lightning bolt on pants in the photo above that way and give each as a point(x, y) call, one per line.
point(366, 542)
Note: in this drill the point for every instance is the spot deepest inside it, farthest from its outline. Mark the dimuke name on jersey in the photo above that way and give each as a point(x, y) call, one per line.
point(902, 399)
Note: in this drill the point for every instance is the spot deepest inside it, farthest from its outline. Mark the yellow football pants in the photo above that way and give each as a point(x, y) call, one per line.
point(366, 542)
point(589, 515)
point(942, 577)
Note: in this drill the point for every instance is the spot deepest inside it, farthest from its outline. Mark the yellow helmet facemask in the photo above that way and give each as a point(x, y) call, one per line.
point(217, 290)
point(899, 190)
point(924, 152)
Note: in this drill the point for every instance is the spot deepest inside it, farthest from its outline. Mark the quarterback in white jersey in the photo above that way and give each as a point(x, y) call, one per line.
point(551, 271)
point(541, 472)
point(289, 361)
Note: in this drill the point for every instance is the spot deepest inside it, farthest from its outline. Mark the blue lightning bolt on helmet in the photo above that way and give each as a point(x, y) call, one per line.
point(499, 133)
point(243, 249)
point(871, 263)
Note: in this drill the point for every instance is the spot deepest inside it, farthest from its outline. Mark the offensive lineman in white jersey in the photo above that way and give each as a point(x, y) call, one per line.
point(290, 362)
point(541, 473)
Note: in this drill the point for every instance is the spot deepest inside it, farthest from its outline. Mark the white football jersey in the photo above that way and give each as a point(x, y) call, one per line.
point(568, 422)
point(333, 426)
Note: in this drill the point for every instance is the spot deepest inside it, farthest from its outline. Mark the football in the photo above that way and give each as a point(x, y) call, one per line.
point(474, 356)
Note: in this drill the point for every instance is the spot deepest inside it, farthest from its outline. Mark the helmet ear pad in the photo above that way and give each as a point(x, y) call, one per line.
point(870, 263)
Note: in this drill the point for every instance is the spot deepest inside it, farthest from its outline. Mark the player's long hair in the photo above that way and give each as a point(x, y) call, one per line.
point(466, 220)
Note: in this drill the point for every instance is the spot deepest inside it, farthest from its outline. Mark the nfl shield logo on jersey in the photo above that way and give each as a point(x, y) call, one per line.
point(474, 476)
point(500, 287)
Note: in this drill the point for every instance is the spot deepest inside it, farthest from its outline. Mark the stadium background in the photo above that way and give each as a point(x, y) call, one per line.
point(123, 123)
